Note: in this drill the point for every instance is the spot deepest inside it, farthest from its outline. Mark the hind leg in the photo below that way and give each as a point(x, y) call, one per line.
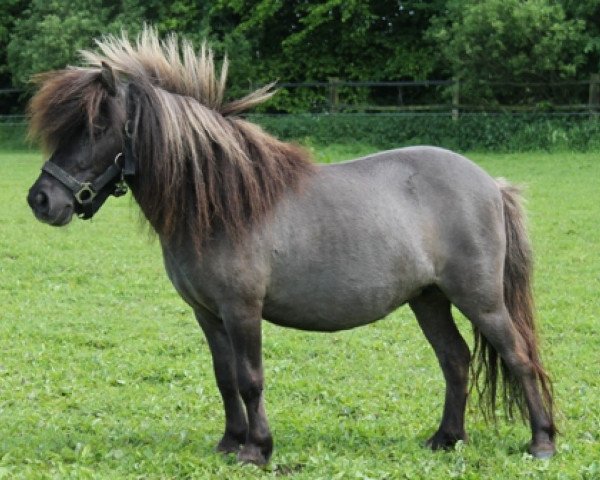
point(433, 313)
point(487, 311)
point(499, 331)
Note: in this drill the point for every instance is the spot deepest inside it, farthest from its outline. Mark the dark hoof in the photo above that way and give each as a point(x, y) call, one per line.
point(542, 450)
point(229, 444)
point(253, 454)
point(444, 440)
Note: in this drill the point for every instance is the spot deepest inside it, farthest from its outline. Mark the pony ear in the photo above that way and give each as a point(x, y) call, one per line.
point(108, 79)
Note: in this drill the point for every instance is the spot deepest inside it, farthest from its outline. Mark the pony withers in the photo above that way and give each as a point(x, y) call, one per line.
point(251, 229)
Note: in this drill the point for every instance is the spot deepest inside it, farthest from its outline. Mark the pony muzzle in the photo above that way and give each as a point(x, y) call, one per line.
point(84, 193)
point(50, 204)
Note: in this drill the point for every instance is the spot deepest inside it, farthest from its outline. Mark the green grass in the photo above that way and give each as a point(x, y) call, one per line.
point(104, 373)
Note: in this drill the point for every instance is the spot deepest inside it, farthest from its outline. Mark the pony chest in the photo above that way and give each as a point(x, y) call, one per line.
point(185, 279)
point(221, 280)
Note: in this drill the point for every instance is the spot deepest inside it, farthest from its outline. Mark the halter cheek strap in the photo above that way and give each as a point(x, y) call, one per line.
point(129, 162)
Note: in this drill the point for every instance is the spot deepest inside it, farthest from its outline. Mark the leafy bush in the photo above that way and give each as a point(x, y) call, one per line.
point(13, 136)
point(493, 132)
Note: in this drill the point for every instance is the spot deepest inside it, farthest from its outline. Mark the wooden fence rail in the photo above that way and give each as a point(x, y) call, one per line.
point(454, 105)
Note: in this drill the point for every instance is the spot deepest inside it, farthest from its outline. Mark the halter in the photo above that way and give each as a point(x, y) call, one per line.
point(85, 192)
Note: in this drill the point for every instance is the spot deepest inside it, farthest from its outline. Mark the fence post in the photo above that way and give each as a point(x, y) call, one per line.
point(594, 98)
point(400, 96)
point(334, 98)
point(455, 98)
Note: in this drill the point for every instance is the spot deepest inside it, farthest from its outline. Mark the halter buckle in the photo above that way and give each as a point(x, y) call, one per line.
point(85, 194)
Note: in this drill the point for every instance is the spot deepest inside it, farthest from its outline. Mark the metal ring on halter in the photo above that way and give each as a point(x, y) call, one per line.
point(116, 160)
point(85, 194)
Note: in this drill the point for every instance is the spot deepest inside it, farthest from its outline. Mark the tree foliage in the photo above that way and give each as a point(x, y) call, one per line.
point(311, 40)
point(49, 34)
point(503, 41)
point(9, 12)
point(305, 40)
point(587, 11)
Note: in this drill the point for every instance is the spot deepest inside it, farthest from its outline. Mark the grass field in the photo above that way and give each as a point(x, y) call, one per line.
point(104, 373)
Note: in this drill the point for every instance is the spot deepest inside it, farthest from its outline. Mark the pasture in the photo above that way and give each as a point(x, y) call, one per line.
point(105, 374)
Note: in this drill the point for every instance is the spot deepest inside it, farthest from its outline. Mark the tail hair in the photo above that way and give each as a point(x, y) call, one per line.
point(488, 368)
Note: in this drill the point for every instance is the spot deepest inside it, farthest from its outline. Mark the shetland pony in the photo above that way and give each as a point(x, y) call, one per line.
point(251, 229)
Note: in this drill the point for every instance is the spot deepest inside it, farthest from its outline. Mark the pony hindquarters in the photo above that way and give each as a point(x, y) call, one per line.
point(487, 276)
point(506, 344)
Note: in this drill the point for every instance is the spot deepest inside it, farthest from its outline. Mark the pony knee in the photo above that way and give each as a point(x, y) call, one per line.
point(250, 388)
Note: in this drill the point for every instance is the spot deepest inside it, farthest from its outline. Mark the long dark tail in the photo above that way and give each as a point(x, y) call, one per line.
point(488, 366)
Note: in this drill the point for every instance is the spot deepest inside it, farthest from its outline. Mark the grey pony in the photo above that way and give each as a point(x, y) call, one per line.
point(315, 247)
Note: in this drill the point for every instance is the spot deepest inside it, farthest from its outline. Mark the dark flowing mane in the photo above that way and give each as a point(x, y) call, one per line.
point(200, 167)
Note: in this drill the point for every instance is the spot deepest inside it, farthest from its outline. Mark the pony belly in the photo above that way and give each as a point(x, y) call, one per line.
point(318, 323)
point(345, 291)
point(335, 313)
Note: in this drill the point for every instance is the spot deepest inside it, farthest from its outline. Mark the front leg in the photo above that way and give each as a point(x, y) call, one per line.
point(243, 325)
point(236, 425)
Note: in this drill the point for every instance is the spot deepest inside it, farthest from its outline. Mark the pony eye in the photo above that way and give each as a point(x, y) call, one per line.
point(99, 129)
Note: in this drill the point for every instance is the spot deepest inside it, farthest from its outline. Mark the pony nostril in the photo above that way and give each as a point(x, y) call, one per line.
point(41, 200)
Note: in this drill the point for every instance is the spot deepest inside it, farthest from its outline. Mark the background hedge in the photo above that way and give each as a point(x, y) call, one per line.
point(490, 132)
point(494, 132)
